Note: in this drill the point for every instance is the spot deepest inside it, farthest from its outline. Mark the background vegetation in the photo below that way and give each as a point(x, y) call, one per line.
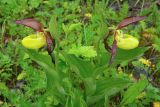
point(81, 75)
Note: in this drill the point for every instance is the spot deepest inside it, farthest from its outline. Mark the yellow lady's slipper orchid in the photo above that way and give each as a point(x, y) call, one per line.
point(34, 41)
point(126, 41)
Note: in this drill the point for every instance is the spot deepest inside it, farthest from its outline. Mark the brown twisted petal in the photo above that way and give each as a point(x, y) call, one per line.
point(130, 20)
point(32, 23)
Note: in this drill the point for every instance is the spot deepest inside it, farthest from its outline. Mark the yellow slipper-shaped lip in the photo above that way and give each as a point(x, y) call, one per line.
point(34, 41)
point(128, 42)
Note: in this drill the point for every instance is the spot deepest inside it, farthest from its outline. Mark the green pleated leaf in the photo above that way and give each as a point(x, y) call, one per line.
point(107, 86)
point(90, 86)
point(83, 68)
point(75, 100)
point(126, 55)
point(45, 62)
point(53, 77)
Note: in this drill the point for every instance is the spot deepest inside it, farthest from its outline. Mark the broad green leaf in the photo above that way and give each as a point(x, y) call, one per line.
point(107, 86)
point(83, 68)
point(45, 62)
point(99, 70)
point(127, 55)
point(75, 100)
point(103, 57)
point(133, 91)
point(90, 86)
point(53, 78)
